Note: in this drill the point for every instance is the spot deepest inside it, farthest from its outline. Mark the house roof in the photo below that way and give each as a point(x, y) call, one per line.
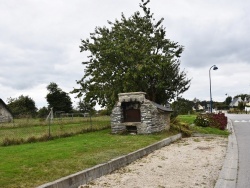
point(235, 100)
point(5, 106)
point(198, 106)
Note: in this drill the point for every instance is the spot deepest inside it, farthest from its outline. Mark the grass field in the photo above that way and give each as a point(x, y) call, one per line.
point(32, 164)
point(29, 165)
point(27, 129)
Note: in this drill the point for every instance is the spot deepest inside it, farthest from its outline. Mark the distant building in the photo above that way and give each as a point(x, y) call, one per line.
point(235, 102)
point(5, 113)
point(198, 107)
point(247, 105)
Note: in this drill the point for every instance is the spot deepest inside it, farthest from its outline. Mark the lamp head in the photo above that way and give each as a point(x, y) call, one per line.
point(215, 67)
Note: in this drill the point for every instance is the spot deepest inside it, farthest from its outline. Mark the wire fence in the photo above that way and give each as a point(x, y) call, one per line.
point(33, 130)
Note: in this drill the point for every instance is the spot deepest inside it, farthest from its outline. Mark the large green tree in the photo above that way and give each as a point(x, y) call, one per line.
point(23, 106)
point(130, 55)
point(58, 99)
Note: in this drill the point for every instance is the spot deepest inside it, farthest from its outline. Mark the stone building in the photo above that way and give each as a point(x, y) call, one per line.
point(5, 113)
point(134, 113)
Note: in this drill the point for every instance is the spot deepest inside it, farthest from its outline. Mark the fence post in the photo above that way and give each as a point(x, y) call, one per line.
point(50, 118)
point(90, 121)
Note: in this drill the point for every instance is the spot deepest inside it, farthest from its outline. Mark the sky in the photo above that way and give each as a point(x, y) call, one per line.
point(40, 39)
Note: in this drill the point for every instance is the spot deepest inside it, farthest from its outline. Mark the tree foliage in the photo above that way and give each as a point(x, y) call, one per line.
point(58, 99)
point(242, 96)
point(182, 106)
point(85, 107)
point(23, 106)
point(130, 55)
point(43, 112)
point(241, 106)
point(228, 100)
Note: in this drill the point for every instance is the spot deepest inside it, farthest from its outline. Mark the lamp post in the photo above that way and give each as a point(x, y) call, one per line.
point(214, 68)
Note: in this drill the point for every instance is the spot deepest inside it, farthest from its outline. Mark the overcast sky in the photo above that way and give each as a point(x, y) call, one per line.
point(40, 39)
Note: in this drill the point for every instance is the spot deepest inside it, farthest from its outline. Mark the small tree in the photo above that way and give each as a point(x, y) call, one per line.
point(43, 112)
point(85, 107)
point(228, 100)
point(241, 106)
point(182, 106)
point(23, 106)
point(58, 99)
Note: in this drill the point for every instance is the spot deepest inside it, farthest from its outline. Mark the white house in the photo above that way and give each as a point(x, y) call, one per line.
point(235, 102)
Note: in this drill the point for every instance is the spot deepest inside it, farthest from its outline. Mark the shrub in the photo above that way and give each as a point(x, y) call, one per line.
point(202, 120)
point(219, 121)
point(184, 128)
point(212, 120)
point(31, 139)
point(12, 141)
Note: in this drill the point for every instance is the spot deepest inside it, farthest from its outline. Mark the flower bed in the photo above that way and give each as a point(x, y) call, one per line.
point(212, 120)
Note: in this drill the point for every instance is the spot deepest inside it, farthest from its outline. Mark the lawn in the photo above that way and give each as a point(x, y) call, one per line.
point(189, 119)
point(210, 130)
point(33, 164)
point(29, 165)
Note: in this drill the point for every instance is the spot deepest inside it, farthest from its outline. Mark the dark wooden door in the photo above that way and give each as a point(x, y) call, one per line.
point(132, 115)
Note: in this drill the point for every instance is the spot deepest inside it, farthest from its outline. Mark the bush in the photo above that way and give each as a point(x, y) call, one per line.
point(12, 141)
point(184, 128)
point(212, 120)
point(202, 120)
point(219, 121)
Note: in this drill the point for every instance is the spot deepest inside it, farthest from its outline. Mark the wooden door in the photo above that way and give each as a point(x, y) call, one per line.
point(132, 115)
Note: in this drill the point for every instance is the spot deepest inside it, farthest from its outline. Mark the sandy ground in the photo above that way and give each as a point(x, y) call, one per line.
point(189, 162)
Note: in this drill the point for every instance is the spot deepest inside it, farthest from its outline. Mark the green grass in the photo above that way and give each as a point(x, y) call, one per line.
point(30, 165)
point(189, 119)
point(27, 128)
point(209, 130)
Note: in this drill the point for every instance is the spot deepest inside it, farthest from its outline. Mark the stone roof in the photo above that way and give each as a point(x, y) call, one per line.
point(140, 97)
point(163, 108)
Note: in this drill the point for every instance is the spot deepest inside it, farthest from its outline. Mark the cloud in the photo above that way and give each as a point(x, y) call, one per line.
point(39, 42)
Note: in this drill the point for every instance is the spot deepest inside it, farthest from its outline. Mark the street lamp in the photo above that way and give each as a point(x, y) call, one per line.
point(214, 68)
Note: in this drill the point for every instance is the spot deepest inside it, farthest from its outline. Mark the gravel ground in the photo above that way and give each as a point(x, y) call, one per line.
point(189, 162)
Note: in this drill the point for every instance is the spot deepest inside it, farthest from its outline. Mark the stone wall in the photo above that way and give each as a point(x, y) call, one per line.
point(117, 120)
point(153, 119)
point(5, 115)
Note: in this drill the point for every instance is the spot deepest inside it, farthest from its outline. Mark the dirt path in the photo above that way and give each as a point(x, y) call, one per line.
point(190, 162)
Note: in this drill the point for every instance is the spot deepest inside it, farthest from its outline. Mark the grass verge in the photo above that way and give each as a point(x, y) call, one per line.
point(189, 119)
point(30, 165)
point(209, 130)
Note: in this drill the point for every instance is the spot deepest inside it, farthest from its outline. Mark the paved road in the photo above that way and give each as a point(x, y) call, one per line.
point(241, 124)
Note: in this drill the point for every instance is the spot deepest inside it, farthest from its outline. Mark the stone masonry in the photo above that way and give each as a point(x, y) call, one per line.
point(5, 114)
point(153, 117)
